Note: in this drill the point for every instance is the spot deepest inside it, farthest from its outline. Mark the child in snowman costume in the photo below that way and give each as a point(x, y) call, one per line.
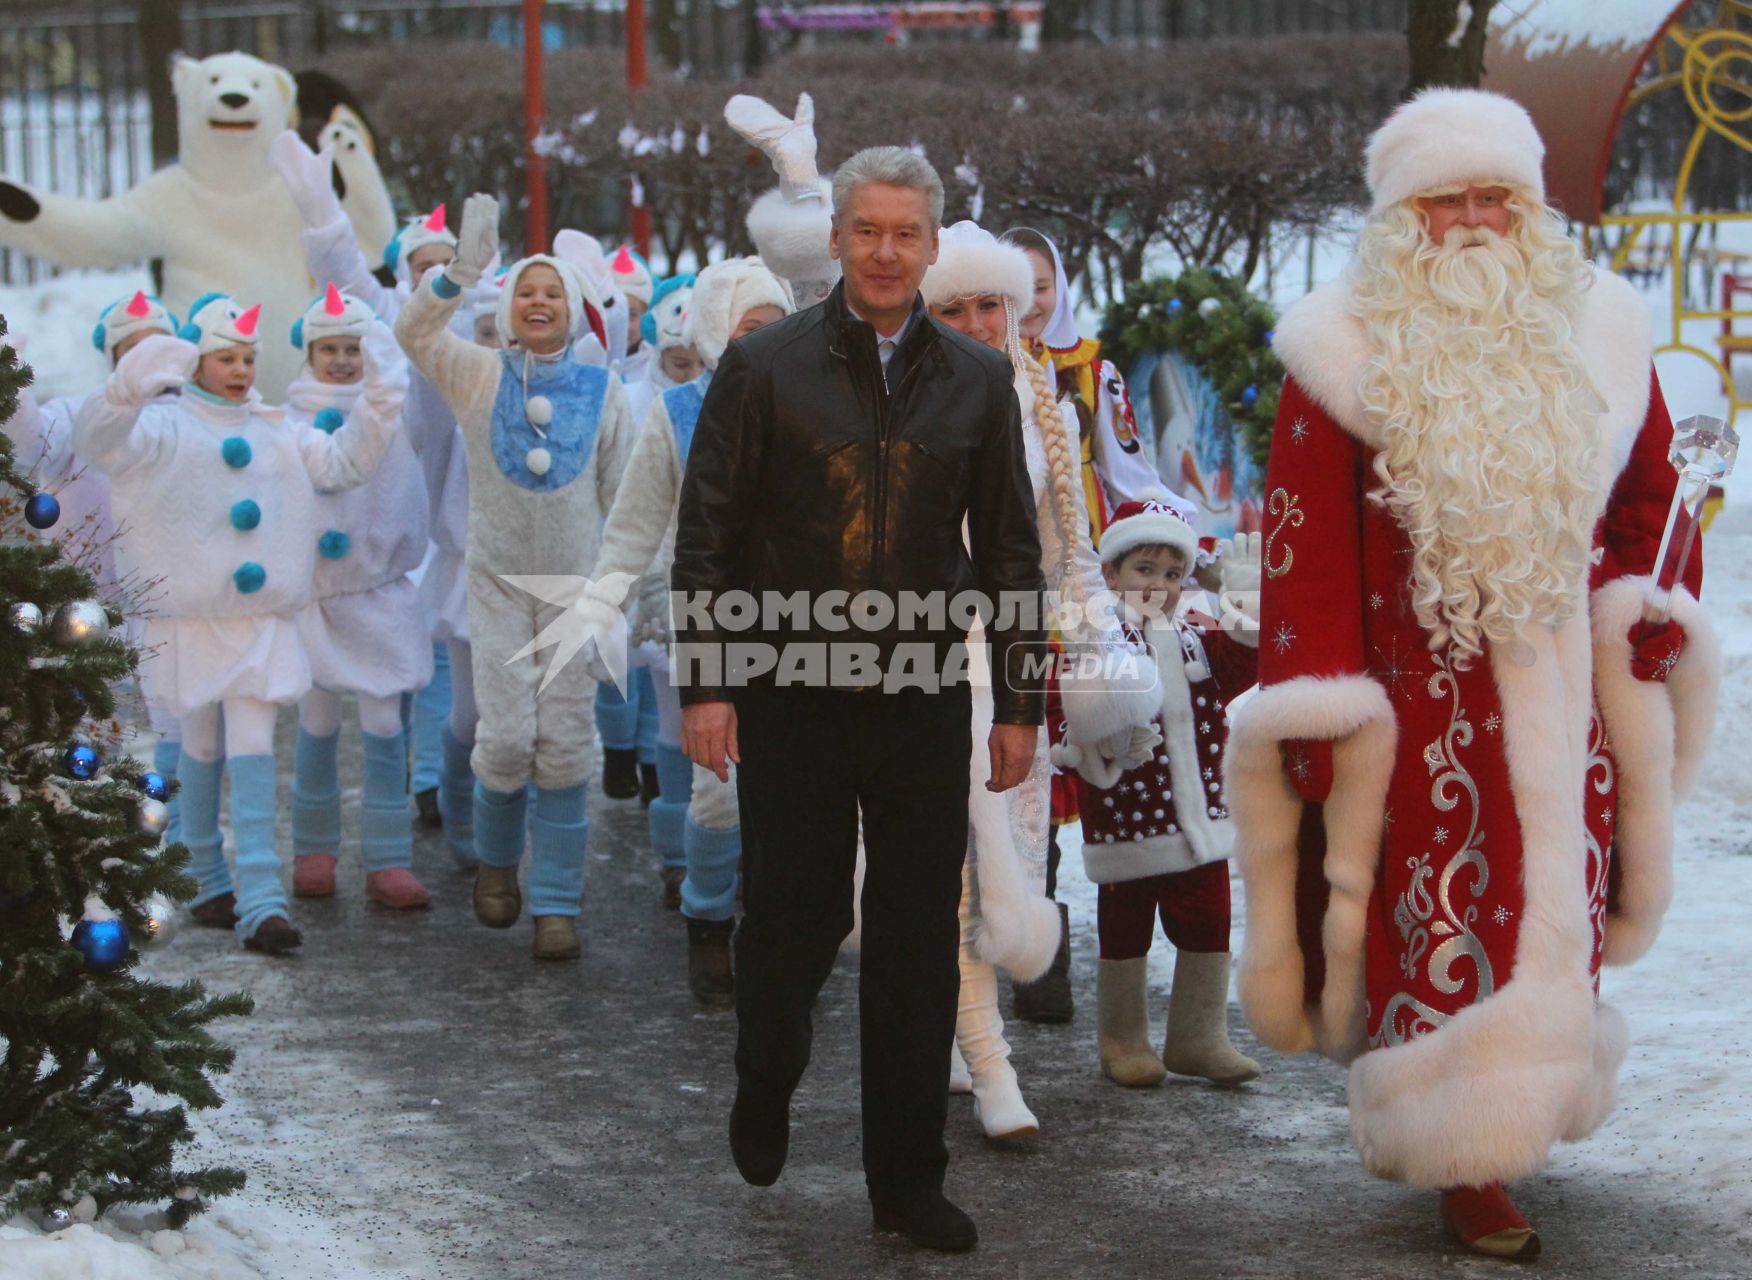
point(694, 822)
point(215, 494)
point(42, 437)
point(547, 439)
point(365, 632)
point(630, 727)
point(1157, 836)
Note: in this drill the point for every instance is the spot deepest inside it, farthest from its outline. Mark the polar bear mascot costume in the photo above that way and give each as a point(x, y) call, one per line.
point(220, 218)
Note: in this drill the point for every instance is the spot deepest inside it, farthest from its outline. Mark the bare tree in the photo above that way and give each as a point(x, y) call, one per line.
point(1447, 42)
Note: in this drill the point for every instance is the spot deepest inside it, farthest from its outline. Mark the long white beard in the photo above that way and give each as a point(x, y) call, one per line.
point(1490, 425)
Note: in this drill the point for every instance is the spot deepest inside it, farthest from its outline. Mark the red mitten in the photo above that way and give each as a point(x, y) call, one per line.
point(1655, 648)
point(1308, 762)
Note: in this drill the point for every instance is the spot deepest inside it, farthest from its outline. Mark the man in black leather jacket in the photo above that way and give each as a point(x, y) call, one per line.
point(840, 451)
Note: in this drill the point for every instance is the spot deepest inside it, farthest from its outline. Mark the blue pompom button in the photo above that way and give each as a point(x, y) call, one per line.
point(250, 577)
point(333, 545)
point(236, 451)
point(245, 515)
point(330, 420)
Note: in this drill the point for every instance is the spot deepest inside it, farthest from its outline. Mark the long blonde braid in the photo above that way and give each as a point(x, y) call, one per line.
point(1061, 450)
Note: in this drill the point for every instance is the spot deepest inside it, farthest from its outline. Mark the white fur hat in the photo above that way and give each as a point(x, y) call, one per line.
point(792, 236)
point(972, 261)
point(334, 315)
point(122, 319)
point(1149, 521)
point(216, 322)
point(724, 293)
point(1449, 138)
point(583, 307)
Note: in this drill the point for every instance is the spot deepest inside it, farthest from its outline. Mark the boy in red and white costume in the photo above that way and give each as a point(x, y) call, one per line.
point(1459, 714)
point(1157, 837)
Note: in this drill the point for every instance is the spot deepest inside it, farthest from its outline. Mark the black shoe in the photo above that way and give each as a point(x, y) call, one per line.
point(216, 913)
point(760, 1133)
point(620, 773)
point(1048, 999)
point(426, 808)
point(928, 1220)
point(648, 788)
point(708, 962)
point(275, 936)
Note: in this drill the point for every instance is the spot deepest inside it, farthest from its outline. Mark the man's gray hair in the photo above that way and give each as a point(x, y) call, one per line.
point(891, 166)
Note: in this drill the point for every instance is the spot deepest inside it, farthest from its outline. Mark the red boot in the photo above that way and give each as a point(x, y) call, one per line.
point(1486, 1221)
point(313, 875)
point(397, 888)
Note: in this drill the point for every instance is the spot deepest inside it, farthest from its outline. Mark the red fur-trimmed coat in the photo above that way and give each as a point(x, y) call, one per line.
point(1433, 907)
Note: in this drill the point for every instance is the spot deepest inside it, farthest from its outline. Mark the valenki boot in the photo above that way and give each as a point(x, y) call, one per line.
point(1197, 1043)
point(1123, 1018)
point(979, 1033)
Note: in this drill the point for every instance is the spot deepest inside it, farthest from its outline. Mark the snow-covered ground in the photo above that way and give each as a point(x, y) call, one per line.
point(1683, 1125)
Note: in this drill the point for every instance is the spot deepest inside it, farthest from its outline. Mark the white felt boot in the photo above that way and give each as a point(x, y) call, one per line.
point(1197, 1043)
point(979, 1032)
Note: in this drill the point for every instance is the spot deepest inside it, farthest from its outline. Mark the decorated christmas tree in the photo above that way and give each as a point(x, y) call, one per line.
point(98, 1063)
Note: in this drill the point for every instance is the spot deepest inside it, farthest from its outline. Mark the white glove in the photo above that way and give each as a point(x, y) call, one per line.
point(477, 243)
point(309, 177)
point(1095, 769)
point(788, 142)
point(154, 366)
point(1242, 576)
point(1131, 747)
point(601, 617)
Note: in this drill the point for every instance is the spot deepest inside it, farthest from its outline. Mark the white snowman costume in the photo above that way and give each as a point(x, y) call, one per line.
point(696, 814)
point(547, 439)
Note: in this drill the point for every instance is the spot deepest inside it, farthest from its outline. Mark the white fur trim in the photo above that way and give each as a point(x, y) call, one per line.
point(1149, 529)
point(1482, 1098)
point(972, 262)
point(1454, 137)
point(1324, 347)
point(1658, 733)
point(724, 293)
point(1353, 713)
point(792, 236)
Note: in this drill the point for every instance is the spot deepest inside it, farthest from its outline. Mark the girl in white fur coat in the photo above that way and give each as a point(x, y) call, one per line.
point(216, 496)
point(980, 286)
point(364, 632)
point(547, 439)
point(695, 815)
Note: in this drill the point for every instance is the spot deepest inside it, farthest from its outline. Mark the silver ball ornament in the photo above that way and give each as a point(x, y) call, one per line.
point(540, 410)
point(26, 616)
point(56, 1219)
point(78, 624)
point(539, 461)
point(1209, 307)
point(152, 817)
point(162, 921)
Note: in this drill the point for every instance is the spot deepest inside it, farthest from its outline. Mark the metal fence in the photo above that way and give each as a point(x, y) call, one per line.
point(75, 113)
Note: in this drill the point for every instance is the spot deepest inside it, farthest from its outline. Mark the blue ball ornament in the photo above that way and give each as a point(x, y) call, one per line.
point(41, 511)
point(82, 763)
point(1250, 397)
point(236, 451)
point(250, 577)
point(1269, 335)
point(245, 515)
point(154, 785)
point(1174, 306)
point(103, 943)
point(330, 419)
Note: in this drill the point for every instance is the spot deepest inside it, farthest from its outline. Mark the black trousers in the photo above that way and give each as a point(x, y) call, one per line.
point(812, 759)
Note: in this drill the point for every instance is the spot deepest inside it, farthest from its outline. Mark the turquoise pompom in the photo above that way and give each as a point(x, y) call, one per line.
point(245, 515)
point(250, 577)
point(236, 451)
point(333, 545)
point(330, 419)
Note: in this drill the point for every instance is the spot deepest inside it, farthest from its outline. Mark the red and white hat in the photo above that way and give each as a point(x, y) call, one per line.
point(1150, 521)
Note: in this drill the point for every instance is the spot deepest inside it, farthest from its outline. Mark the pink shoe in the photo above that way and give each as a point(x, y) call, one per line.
point(313, 875)
point(397, 887)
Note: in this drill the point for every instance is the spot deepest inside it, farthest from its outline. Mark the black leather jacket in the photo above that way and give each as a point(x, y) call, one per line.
point(807, 474)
